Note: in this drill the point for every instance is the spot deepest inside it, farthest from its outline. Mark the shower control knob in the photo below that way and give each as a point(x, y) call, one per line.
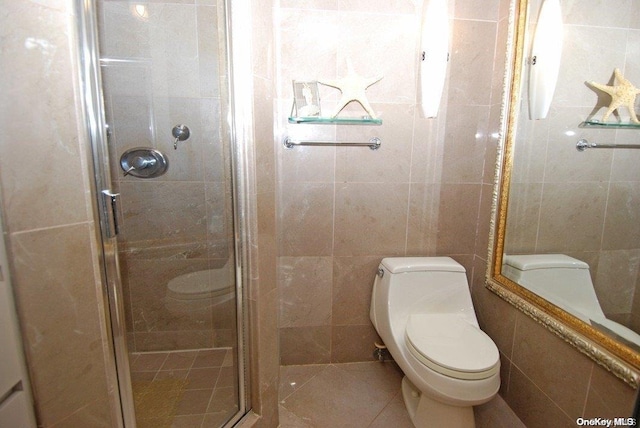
point(143, 162)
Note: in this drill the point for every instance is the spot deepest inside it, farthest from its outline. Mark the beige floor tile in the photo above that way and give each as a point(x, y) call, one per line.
point(336, 397)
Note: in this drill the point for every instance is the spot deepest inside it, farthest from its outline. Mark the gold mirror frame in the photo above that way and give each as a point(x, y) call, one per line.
point(614, 356)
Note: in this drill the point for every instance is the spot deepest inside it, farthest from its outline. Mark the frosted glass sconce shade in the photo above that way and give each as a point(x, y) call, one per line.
point(545, 59)
point(434, 54)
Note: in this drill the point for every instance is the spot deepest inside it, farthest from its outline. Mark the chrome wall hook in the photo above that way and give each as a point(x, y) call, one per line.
point(180, 133)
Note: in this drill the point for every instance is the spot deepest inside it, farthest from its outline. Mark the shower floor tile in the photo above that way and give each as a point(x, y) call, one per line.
point(357, 395)
point(183, 388)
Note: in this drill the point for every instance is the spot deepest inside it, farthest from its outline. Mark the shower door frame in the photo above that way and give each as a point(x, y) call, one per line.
point(93, 110)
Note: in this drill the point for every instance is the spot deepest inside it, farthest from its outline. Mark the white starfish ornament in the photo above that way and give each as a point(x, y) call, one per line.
point(623, 94)
point(353, 88)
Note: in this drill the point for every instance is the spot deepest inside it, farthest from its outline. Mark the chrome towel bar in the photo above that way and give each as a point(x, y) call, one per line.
point(374, 143)
point(583, 145)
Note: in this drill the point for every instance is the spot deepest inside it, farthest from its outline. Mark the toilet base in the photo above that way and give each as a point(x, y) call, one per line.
point(426, 412)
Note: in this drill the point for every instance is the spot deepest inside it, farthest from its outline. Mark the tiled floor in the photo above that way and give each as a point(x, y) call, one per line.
point(184, 389)
point(363, 395)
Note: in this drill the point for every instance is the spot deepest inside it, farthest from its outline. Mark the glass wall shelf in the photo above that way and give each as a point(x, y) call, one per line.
point(597, 124)
point(335, 120)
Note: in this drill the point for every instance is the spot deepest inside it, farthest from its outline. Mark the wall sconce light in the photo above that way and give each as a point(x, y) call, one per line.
point(434, 55)
point(545, 59)
point(140, 11)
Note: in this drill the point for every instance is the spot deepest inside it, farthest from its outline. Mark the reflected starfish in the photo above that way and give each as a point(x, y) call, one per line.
point(623, 94)
point(353, 88)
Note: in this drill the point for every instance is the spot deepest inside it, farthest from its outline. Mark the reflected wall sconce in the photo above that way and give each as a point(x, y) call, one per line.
point(434, 55)
point(545, 59)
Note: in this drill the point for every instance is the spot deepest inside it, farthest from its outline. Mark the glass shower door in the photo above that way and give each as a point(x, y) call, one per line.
point(163, 67)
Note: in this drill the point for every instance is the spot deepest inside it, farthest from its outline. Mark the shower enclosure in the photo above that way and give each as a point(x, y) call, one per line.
point(156, 78)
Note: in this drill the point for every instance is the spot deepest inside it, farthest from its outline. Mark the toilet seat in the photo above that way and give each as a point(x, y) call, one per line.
point(451, 346)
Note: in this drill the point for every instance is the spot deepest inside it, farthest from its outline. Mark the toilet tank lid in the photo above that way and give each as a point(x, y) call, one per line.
point(543, 261)
point(421, 264)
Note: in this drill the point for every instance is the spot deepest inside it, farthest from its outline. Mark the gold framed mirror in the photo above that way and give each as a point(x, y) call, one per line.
point(551, 200)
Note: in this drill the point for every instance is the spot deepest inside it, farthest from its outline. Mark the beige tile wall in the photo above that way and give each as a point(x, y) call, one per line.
point(340, 210)
point(334, 212)
point(49, 224)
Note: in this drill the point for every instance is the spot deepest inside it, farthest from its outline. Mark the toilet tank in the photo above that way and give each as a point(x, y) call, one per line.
point(558, 278)
point(407, 285)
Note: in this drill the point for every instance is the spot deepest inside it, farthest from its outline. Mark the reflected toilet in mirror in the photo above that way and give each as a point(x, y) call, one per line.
point(565, 282)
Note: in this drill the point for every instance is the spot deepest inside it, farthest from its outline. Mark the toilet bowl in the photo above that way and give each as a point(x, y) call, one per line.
point(421, 308)
point(565, 282)
point(200, 291)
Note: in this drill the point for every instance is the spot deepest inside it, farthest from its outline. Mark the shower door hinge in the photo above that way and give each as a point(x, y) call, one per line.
point(110, 213)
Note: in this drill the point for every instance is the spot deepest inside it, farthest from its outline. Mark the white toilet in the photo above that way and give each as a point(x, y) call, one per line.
point(565, 282)
point(421, 308)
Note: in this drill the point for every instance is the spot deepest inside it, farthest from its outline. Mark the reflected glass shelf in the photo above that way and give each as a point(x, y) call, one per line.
point(597, 124)
point(335, 120)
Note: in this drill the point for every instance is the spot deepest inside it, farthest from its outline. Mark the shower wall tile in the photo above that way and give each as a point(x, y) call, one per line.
point(163, 211)
point(126, 34)
point(148, 281)
point(186, 162)
point(209, 45)
point(214, 131)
